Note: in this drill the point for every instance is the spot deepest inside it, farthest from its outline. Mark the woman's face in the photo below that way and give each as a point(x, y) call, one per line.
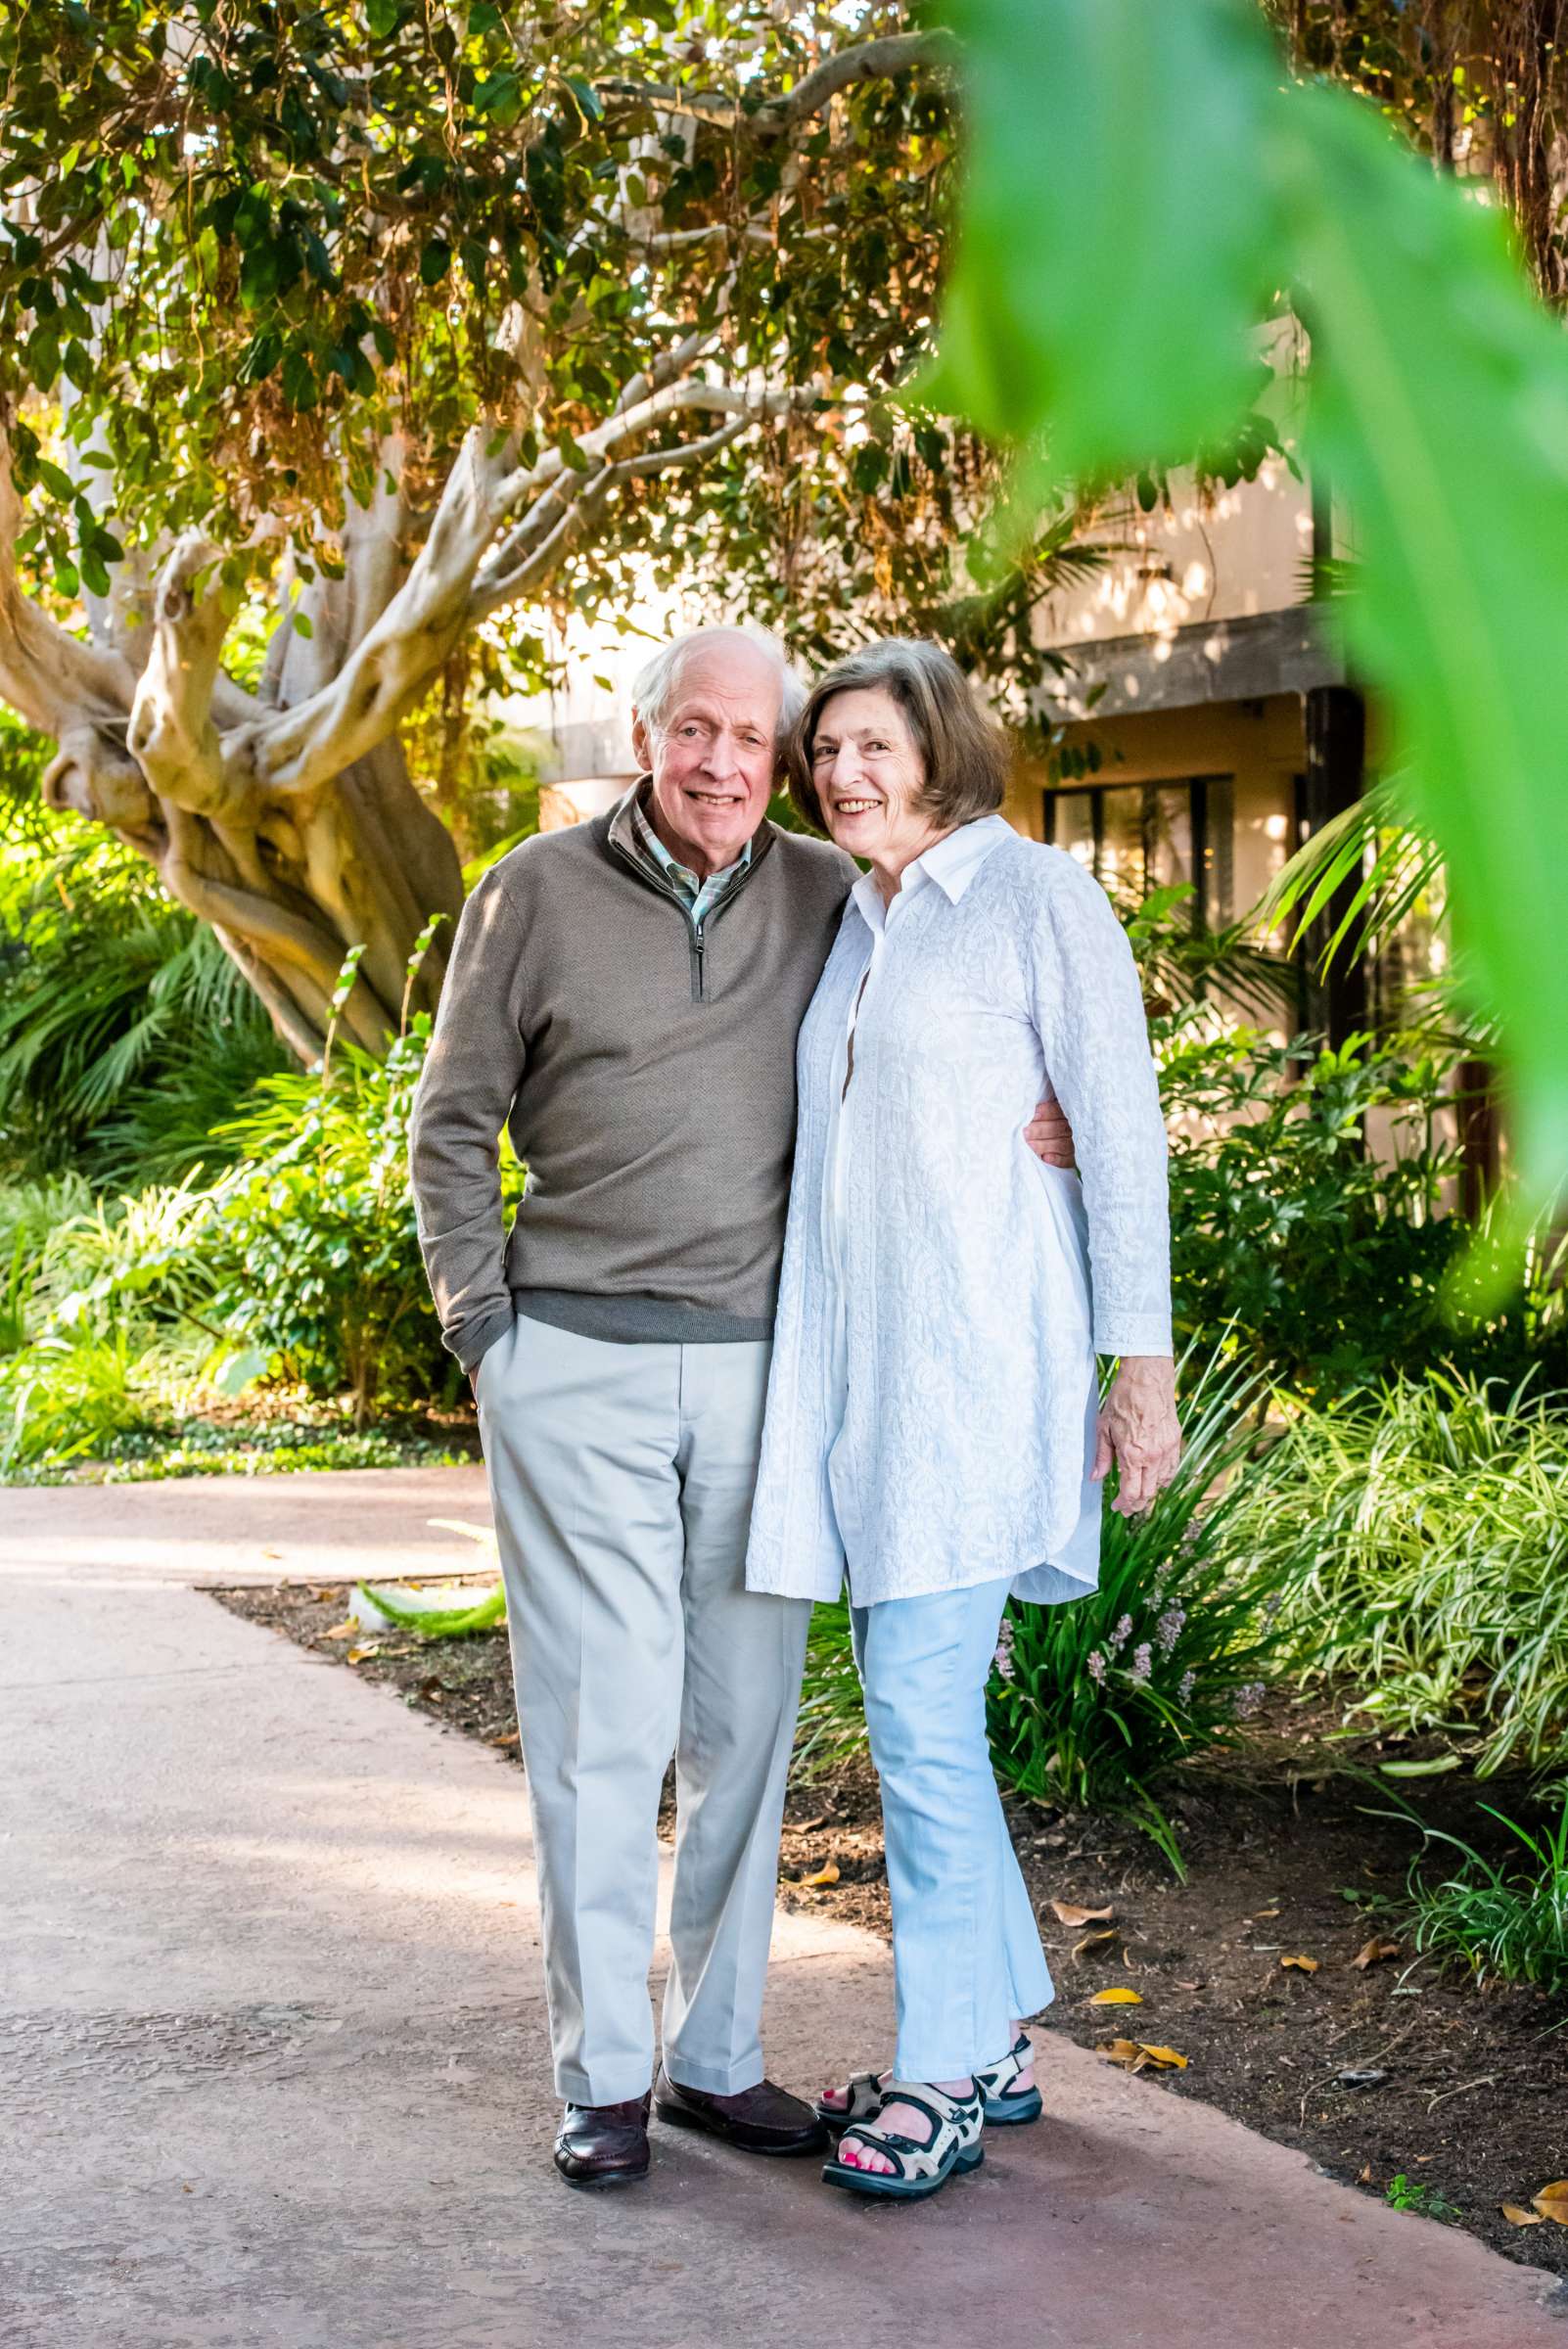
point(869, 776)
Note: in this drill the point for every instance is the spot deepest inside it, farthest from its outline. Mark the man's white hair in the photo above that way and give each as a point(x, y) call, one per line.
point(655, 684)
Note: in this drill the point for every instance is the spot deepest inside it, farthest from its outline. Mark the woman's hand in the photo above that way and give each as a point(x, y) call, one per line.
point(1140, 1431)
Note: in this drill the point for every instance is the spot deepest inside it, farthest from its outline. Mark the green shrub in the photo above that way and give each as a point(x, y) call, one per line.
point(320, 1276)
point(63, 1398)
point(1426, 1530)
point(1323, 1264)
point(125, 1031)
point(1093, 1700)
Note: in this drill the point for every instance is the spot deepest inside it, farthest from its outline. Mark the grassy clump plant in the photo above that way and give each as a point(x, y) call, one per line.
point(1094, 1700)
point(1498, 1920)
point(1425, 1530)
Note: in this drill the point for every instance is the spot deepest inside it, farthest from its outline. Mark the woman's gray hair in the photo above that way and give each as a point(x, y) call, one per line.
point(653, 688)
point(964, 756)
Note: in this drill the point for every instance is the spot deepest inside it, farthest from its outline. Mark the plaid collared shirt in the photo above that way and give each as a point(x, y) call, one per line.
point(699, 896)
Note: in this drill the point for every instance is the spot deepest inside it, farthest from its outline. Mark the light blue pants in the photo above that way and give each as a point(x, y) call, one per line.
point(966, 1952)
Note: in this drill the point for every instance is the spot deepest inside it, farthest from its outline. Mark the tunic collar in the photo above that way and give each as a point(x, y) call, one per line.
point(951, 862)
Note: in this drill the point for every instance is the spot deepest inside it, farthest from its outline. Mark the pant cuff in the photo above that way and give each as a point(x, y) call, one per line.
point(933, 2063)
point(714, 2079)
point(616, 2086)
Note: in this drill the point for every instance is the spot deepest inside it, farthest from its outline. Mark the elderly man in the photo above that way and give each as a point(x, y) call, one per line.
point(624, 997)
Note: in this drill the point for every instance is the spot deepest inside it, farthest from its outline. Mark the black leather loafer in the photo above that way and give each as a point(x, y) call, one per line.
point(763, 2119)
point(604, 2145)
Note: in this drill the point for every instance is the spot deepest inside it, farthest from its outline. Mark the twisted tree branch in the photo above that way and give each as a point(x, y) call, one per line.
point(173, 735)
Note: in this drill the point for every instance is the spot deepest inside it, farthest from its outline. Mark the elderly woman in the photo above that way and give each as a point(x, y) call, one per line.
point(933, 1431)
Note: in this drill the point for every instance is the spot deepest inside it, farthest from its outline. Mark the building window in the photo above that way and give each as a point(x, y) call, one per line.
point(1140, 836)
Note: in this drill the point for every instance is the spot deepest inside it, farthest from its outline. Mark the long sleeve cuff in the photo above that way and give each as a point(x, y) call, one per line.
point(1132, 1333)
point(476, 1343)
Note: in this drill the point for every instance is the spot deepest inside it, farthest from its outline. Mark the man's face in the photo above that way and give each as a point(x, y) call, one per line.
point(714, 759)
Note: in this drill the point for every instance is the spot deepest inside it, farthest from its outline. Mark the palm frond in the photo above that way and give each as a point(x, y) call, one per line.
point(1372, 847)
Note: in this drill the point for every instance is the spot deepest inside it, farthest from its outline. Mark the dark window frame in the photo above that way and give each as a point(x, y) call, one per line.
point(1197, 790)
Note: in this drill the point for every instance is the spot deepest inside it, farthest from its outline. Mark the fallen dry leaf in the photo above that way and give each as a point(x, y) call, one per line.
point(1190, 1985)
point(1307, 1966)
point(1552, 2201)
point(1094, 1941)
point(1135, 2056)
point(1119, 1997)
point(1374, 1952)
point(357, 1655)
point(1365, 2177)
point(1118, 2050)
point(1068, 1912)
point(510, 1738)
point(1520, 2217)
point(1261, 1912)
point(823, 1876)
point(344, 1630)
point(804, 1826)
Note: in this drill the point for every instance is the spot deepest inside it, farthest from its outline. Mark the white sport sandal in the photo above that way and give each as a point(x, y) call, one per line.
point(1008, 2106)
point(953, 2147)
point(864, 2102)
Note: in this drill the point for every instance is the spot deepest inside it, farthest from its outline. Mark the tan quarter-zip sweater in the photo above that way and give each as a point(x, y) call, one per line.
point(645, 1068)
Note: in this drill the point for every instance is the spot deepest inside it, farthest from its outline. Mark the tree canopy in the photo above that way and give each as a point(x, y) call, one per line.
point(419, 320)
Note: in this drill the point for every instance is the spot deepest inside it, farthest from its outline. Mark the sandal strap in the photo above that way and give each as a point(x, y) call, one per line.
point(954, 2120)
point(939, 2107)
point(994, 2077)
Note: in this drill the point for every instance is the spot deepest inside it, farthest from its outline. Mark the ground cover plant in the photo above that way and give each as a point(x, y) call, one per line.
point(1425, 1532)
point(1502, 1917)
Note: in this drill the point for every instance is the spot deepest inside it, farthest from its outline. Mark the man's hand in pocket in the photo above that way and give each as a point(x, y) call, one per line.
point(1050, 1135)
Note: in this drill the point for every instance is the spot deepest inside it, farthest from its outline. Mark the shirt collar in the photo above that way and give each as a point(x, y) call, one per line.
point(951, 863)
point(649, 841)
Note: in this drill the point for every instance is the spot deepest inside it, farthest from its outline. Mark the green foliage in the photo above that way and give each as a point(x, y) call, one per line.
point(258, 243)
point(314, 1236)
point(64, 1397)
point(156, 1448)
point(438, 1623)
point(1497, 1923)
point(1320, 1260)
point(1054, 306)
point(831, 1725)
point(1387, 866)
point(125, 1031)
point(1094, 1700)
point(1420, 1537)
point(1420, 2195)
point(1439, 408)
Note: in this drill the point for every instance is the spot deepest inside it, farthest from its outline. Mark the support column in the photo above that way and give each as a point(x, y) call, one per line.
point(1335, 779)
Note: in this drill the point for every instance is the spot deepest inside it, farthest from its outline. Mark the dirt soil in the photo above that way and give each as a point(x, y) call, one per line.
point(1380, 2072)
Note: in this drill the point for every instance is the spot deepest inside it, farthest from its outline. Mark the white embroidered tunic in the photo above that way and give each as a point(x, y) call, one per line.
point(932, 1402)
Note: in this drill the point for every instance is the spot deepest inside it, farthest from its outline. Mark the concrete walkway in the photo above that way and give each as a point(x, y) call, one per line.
point(272, 2051)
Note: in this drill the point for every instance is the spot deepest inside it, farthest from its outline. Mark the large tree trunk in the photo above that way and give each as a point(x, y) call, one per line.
point(287, 818)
